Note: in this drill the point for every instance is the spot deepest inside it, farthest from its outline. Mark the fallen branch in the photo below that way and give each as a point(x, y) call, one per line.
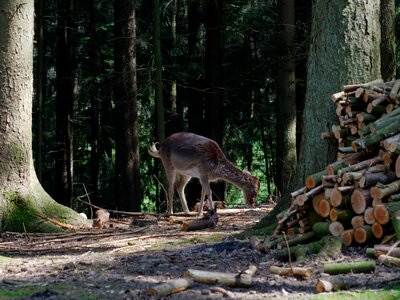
point(352, 267)
point(170, 287)
point(388, 250)
point(229, 279)
point(206, 222)
point(295, 271)
point(389, 260)
point(126, 213)
point(335, 283)
point(224, 292)
point(58, 223)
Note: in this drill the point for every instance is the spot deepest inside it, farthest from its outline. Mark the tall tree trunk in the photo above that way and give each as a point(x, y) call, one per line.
point(23, 201)
point(64, 103)
point(214, 93)
point(348, 24)
point(127, 163)
point(388, 40)
point(286, 158)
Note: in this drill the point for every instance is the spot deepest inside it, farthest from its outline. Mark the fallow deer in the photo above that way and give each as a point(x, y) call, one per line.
point(186, 155)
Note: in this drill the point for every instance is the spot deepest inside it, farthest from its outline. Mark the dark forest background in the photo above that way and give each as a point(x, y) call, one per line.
point(212, 64)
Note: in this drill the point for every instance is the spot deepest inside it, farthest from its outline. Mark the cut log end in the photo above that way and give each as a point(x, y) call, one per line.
point(347, 237)
point(336, 228)
point(357, 221)
point(324, 208)
point(377, 230)
point(358, 201)
point(381, 214)
point(310, 182)
point(362, 234)
point(369, 216)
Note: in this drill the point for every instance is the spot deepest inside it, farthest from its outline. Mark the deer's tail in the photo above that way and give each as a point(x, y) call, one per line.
point(153, 151)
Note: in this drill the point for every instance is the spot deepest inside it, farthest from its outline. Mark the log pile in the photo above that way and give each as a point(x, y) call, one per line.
point(355, 198)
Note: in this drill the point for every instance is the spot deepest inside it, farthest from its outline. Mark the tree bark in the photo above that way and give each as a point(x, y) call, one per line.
point(64, 103)
point(40, 82)
point(94, 105)
point(158, 87)
point(194, 97)
point(214, 116)
point(286, 157)
point(22, 198)
point(352, 64)
point(127, 163)
point(388, 42)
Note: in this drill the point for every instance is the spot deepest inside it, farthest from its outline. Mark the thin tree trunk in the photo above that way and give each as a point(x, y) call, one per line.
point(127, 163)
point(94, 105)
point(158, 72)
point(303, 25)
point(388, 40)
point(40, 79)
point(214, 95)
point(286, 158)
point(194, 98)
point(64, 103)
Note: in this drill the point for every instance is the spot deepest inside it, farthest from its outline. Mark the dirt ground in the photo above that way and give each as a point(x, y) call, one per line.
point(124, 261)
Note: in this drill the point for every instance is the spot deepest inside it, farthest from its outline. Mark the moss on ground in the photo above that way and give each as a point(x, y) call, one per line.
point(389, 293)
point(258, 232)
point(212, 238)
point(53, 291)
point(24, 213)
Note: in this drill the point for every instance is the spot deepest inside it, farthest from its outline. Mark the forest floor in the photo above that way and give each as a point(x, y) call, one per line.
point(124, 261)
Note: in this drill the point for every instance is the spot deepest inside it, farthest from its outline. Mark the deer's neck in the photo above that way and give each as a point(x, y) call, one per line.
point(228, 172)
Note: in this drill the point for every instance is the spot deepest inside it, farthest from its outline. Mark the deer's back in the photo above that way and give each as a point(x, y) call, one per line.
point(188, 151)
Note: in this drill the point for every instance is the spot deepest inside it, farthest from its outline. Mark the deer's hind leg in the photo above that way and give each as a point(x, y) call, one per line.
point(171, 175)
point(205, 191)
point(180, 188)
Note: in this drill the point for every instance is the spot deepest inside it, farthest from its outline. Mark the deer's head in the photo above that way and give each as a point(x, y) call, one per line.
point(251, 189)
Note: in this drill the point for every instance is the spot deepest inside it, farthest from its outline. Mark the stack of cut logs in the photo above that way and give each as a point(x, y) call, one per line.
point(356, 197)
